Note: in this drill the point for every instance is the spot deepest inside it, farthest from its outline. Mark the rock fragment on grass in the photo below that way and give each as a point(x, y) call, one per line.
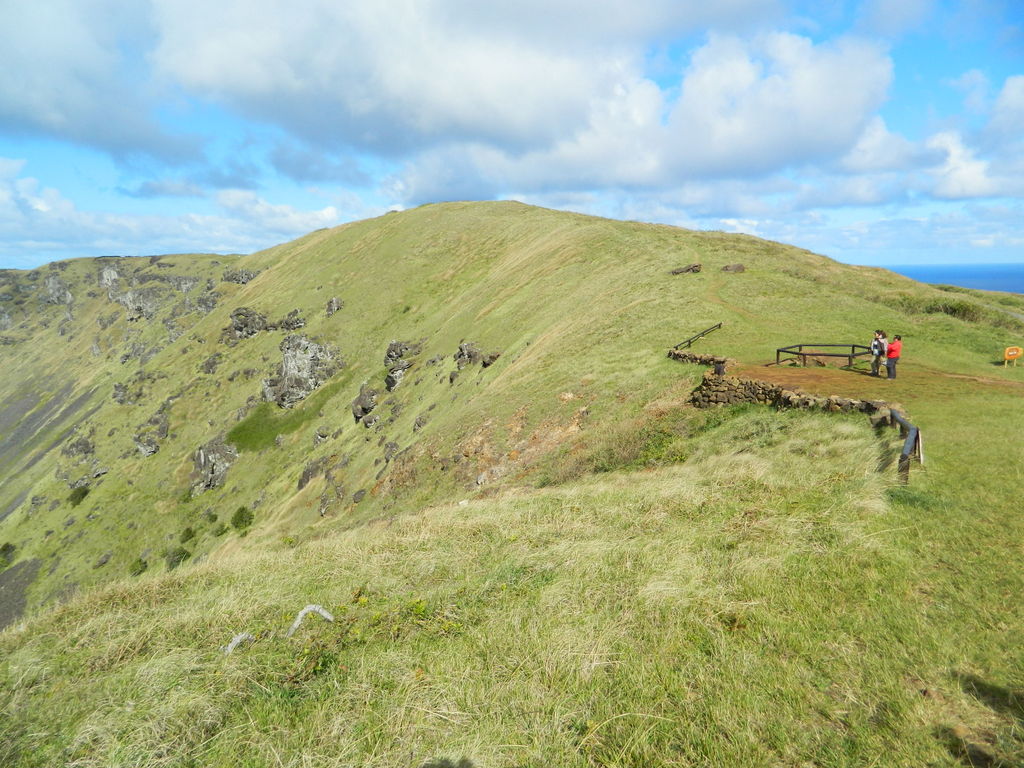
point(317, 609)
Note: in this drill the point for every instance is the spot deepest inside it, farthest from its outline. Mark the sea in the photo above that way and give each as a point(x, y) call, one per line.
point(987, 277)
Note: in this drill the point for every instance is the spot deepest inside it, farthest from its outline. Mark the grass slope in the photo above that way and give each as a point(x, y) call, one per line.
point(743, 587)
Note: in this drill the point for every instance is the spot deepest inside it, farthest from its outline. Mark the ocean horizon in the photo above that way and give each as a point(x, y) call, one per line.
point(986, 277)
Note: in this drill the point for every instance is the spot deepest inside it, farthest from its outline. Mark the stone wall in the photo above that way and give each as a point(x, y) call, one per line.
point(693, 357)
point(728, 390)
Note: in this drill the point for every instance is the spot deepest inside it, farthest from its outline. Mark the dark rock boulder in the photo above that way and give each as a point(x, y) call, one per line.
point(157, 427)
point(293, 321)
point(246, 323)
point(321, 435)
point(146, 444)
point(209, 365)
point(364, 403)
point(79, 447)
point(239, 276)
point(684, 270)
point(396, 374)
point(56, 290)
point(139, 304)
point(400, 349)
point(395, 360)
point(311, 471)
point(207, 302)
point(305, 366)
point(121, 395)
point(734, 268)
point(211, 463)
point(489, 359)
point(467, 354)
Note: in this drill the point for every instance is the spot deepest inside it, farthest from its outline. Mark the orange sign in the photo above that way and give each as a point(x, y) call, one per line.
point(1012, 353)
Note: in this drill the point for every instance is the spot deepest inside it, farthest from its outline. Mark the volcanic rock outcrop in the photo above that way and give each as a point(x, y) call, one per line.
point(211, 464)
point(305, 366)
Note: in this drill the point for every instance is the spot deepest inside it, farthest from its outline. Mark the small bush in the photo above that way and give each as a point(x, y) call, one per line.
point(176, 557)
point(242, 518)
point(76, 496)
point(138, 567)
point(220, 530)
point(187, 535)
point(7, 554)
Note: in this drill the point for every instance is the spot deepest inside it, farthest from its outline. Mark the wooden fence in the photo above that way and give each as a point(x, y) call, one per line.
point(803, 351)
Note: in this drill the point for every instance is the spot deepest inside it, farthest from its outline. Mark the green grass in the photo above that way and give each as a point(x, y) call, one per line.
point(261, 428)
point(628, 620)
point(629, 581)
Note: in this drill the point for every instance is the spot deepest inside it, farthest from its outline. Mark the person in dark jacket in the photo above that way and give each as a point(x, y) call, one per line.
point(892, 355)
point(879, 344)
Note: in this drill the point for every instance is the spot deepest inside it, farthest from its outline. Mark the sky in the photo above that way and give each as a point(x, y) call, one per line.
point(882, 132)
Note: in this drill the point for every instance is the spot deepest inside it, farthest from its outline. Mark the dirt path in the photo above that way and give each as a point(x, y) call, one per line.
point(911, 381)
point(712, 294)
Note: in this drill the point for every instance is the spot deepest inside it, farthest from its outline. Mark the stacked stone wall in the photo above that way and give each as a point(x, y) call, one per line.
point(730, 390)
point(693, 357)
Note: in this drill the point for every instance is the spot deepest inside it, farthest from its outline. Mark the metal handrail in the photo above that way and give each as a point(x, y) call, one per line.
point(703, 333)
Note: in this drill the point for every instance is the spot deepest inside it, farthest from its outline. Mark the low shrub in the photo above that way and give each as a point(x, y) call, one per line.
point(138, 567)
point(77, 495)
point(242, 518)
point(176, 557)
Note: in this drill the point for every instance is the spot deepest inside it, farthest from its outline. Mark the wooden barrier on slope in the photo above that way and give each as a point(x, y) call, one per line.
point(796, 351)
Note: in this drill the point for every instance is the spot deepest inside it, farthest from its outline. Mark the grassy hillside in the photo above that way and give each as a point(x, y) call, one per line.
point(550, 560)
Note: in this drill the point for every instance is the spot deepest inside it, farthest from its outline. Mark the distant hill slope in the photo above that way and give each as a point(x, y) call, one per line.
point(117, 371)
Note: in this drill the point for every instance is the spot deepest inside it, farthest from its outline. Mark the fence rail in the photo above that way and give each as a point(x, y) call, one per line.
point(686, 344)
point(912, 445)
point(803, 351)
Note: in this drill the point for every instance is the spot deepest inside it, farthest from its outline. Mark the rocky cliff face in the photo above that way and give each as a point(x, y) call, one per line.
point(305, 366)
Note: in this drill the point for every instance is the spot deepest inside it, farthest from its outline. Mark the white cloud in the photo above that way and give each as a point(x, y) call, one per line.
point(38, 223)
point(69, 74)
point(348, 74)
point(748, 107)
point(249, 207)
point(1007, 121)
point(745, 108)
point(962, 174)
point(878, 149)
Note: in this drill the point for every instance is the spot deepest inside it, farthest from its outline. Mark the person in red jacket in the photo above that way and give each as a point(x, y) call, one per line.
point(892, 355)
